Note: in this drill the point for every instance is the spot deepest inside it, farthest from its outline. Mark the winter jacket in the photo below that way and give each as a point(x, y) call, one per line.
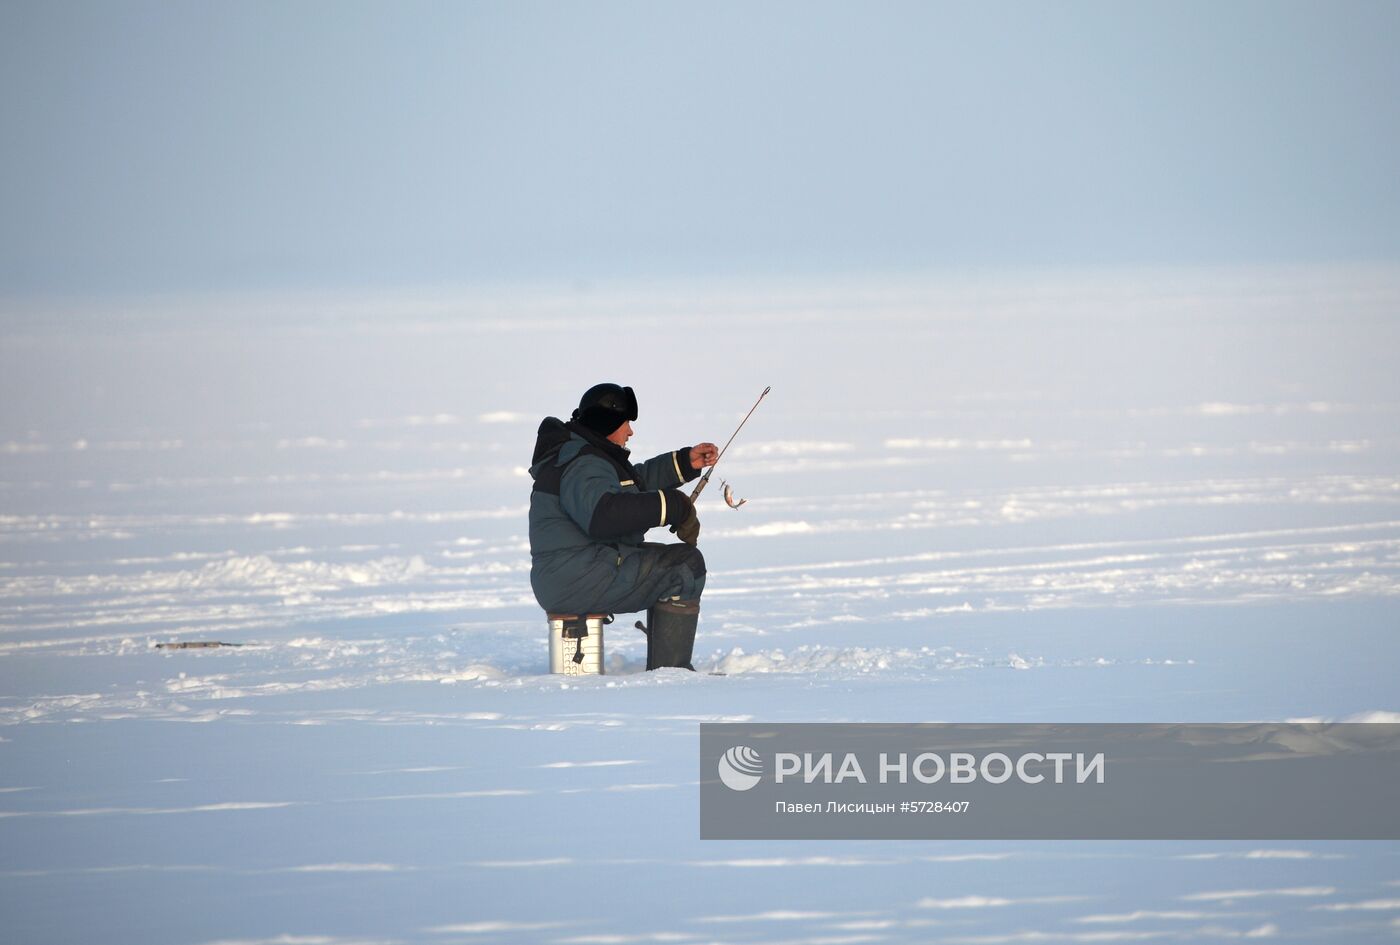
point(591, 508)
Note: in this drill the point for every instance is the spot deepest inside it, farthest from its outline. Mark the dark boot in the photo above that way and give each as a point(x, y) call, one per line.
point(671, 633)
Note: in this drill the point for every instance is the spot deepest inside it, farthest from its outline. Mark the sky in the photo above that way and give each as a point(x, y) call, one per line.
point(175, 147)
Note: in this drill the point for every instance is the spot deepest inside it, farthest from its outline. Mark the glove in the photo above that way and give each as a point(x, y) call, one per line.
point(689, 530)
point(678, 507)
point(680, 515)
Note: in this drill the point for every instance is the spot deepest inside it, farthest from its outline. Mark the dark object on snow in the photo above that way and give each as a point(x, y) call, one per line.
point(193, 645)
point(670, 630)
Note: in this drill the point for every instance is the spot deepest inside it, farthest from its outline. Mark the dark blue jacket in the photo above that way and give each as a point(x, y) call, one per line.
point(591, 508)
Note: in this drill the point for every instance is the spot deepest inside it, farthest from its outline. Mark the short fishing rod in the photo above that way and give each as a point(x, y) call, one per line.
point(705, 479)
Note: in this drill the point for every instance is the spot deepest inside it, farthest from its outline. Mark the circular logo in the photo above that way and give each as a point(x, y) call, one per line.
point(740, 768)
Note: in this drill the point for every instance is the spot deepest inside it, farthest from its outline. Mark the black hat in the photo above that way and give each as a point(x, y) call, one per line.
point(605, 407)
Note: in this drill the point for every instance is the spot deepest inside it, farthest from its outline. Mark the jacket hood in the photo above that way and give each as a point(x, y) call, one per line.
point(557, 441)
point(551, 435)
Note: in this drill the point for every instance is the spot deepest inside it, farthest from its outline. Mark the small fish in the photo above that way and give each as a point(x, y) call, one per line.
point(729, 496)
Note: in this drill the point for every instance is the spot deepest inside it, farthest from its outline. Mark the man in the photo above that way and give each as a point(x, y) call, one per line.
point(590, 511)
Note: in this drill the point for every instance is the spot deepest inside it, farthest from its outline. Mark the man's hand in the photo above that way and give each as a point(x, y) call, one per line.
point(680, 516)
point(706, 454)
point(688, 531)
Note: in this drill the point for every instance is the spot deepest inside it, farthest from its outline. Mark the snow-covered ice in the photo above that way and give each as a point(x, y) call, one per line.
point(1155, 496)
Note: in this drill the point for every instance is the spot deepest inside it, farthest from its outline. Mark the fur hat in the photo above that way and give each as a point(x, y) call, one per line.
point(605, 407)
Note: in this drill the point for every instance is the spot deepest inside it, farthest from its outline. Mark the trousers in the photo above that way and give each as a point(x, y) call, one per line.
point(649, 573)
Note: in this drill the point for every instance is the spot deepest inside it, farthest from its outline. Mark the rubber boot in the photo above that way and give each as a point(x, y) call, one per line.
point(671, 633)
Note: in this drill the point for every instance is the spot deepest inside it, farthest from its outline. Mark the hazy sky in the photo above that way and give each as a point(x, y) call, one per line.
point(196, 145)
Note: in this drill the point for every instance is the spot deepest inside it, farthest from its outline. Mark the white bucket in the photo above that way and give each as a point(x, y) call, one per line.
point(576, 643)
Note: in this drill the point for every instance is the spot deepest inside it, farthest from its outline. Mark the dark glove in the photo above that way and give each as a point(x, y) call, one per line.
point(678, 507)
point(680, 515)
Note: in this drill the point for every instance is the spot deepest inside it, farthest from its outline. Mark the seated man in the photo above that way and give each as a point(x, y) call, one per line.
point(590, 511)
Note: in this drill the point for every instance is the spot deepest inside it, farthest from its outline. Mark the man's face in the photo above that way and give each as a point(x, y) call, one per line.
point(622, 434)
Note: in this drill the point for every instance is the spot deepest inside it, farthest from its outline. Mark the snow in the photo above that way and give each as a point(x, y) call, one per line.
point(1062, 498)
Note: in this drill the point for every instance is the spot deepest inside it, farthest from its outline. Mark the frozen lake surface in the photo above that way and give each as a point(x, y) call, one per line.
point(1158, 496)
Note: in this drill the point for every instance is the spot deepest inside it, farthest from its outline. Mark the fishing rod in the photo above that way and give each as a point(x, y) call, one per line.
point(705, 479)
